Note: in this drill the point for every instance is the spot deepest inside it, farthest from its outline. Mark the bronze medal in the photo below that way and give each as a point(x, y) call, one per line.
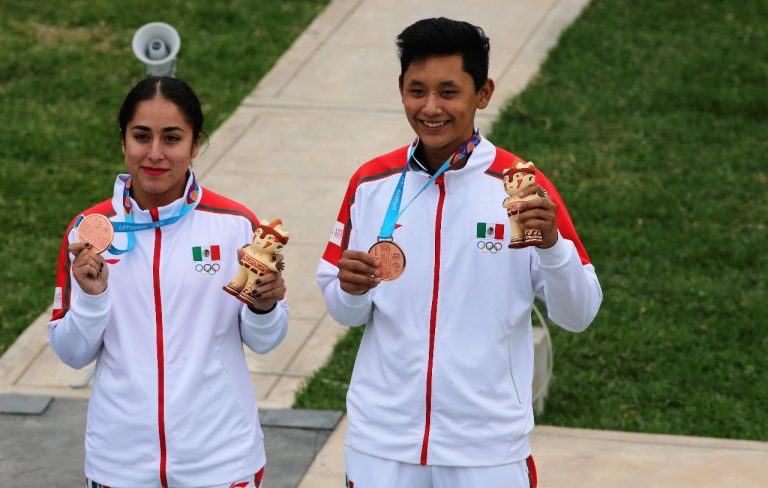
point(392, 259)
point(96, 229)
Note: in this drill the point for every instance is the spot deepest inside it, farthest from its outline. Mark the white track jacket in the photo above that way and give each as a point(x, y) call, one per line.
point(172, 401)
point(444, 371)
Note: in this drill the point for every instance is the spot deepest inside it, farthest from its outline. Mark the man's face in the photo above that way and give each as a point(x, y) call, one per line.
point(440, 101)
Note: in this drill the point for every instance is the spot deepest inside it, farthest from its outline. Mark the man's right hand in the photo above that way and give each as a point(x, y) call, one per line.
point(89, 269)
point(358, 272)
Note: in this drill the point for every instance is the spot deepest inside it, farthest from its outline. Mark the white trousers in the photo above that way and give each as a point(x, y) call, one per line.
point(365, 471)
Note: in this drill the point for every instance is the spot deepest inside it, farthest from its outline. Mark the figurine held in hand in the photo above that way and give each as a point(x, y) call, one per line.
point(259, 259)
point(516, 180)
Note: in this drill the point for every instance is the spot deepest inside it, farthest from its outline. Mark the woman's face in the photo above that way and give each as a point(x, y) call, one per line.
point(158, 146)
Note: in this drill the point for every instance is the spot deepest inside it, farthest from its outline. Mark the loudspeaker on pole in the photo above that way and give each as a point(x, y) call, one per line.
point(156, 44)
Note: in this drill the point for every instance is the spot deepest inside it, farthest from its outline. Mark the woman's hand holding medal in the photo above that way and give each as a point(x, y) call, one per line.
point(358, 272)
point(94, 236)
point(89, 268)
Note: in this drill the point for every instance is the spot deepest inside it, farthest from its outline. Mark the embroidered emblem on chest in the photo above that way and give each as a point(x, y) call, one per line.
point(489, 237)
point(205, 259)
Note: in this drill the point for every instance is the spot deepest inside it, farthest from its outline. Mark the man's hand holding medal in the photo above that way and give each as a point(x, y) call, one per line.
point(358, 272)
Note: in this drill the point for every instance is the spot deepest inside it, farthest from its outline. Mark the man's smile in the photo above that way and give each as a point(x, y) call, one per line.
point(434, 124)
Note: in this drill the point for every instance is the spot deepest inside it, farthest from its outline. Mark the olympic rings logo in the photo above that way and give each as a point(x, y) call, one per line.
point(207, 269)
point(489, 246)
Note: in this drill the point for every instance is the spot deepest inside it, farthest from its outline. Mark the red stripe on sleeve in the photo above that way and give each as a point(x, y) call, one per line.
point(564, 223)
point(375, 169)
point(63, 283)
point(215, 203)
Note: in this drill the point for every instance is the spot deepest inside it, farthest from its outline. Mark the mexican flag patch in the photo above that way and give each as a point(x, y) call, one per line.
point(490, 231)
point(206, 253)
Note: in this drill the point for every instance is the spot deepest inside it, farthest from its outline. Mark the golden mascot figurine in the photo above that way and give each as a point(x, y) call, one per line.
point(517, 177)
point(259, 259)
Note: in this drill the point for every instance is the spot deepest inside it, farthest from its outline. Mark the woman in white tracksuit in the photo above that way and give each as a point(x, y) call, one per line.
point(172, 402)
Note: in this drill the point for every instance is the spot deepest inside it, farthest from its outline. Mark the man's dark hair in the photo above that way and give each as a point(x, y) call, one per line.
point(441, 36)
point(172, 89)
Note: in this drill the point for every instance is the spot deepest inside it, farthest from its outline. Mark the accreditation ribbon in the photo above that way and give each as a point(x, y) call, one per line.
point(191, 199)
point(390, 254)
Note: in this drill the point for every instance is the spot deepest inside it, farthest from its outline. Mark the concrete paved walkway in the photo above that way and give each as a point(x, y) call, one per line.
point(329, 104)
point(46, 450)
point(576, 458)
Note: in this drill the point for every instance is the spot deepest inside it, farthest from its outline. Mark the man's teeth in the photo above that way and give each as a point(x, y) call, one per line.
point(433, 125)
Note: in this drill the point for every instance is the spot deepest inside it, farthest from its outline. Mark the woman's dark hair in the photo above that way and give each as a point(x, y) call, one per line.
point(173, 90)
point(440, 37)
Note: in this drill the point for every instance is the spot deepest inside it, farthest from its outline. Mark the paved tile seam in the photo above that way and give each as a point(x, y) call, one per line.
point(15, 362)
point(327, 469)
point(298, 315)
point(288, 374)
point(302, 49)
point(56, 391)
point(16, 404)
point(212, 163)
point(310, 105)
point(300, 418)
point(652, 439)
point(299, 350)
point(30, 440)
point(281, 107)
point(686, 445)
point(23, 371)
point(526, 63)
point(527, 41)
point(320, 45)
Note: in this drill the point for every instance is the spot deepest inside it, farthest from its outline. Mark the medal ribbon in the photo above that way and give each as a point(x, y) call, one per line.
point(191, 200)
point(394, 212)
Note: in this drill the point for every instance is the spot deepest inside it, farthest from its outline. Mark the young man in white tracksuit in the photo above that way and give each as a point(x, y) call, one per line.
point(441, 389)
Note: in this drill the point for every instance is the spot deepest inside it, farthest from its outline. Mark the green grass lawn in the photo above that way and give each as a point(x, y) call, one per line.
point(652, 119)
point(65, 67)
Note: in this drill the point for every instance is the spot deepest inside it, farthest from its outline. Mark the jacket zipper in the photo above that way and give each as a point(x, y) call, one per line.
point(440, 182)
point(160, 351)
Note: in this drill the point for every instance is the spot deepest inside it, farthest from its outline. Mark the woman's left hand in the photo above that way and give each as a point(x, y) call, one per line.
point(269, 289)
